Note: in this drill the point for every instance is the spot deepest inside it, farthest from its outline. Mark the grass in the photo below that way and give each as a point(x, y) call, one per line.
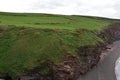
point(53, 21)
point(27, 48)
point(44, 37)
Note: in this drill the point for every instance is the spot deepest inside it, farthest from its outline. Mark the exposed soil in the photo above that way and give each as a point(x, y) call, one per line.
point(71, 68)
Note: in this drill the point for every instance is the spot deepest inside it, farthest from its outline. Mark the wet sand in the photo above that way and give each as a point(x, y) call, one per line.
point(105, 70)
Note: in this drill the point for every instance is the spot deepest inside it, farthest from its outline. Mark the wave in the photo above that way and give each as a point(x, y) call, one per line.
point(117, 69)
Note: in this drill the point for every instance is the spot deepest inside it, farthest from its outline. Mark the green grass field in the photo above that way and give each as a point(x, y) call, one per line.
point(28, 40)
point(53, 21)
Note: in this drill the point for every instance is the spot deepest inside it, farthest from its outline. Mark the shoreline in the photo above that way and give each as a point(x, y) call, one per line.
point(106, 52)
point(105, 70)
point(117, 68)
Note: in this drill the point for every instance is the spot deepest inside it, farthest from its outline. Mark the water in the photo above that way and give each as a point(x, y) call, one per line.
point(106, 69)
point(117, 69)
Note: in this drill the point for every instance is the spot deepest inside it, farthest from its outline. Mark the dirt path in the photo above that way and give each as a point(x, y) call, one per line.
point(105, 70)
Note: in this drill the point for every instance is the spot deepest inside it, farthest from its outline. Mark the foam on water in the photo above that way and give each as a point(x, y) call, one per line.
point(117, 69)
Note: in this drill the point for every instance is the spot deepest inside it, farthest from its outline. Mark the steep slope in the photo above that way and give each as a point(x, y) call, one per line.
point(51, 47)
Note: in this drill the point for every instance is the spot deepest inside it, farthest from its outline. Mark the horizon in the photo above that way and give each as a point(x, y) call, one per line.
point(100, 8)
point(60, 14)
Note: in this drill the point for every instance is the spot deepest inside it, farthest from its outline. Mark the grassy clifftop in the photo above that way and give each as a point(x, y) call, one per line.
point(22, 48)
point(28, 40)
point(53, 21)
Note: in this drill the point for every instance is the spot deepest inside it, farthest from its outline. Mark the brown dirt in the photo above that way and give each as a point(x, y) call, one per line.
point(71, 68)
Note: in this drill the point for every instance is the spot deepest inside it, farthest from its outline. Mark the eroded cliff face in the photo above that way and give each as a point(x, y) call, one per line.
point(111, 33)
point(71, 67)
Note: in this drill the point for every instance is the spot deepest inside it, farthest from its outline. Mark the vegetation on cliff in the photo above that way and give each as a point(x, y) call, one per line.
point(29, 40)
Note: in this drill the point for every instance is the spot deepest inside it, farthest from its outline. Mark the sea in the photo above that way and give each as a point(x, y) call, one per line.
point(117, 69)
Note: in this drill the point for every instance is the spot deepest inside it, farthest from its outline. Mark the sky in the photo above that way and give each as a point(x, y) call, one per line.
point(103, 8)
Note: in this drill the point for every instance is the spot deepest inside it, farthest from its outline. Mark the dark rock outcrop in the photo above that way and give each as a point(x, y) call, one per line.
point(5, 77)
point(111, 33)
